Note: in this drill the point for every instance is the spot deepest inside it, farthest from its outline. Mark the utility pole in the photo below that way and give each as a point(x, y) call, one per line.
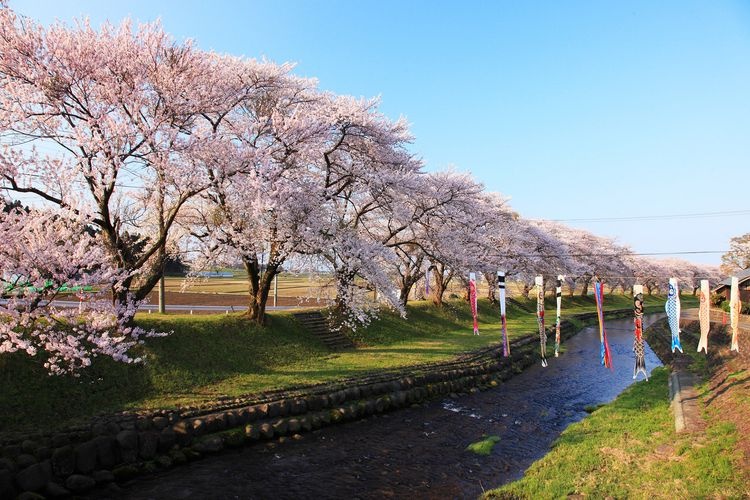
point(162, 295)
point(275, 289)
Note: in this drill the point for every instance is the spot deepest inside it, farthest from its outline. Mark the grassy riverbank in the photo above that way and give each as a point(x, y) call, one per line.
point(210, 356)
point(629, 448)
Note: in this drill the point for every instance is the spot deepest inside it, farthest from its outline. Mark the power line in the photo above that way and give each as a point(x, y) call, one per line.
point(621, 254)
point(728, 213)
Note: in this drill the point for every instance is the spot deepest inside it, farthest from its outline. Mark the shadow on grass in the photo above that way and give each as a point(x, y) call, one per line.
point(200, 352)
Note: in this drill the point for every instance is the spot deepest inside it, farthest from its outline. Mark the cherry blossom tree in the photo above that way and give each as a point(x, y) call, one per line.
point(365, 172)
point(46, 256)
point(115, 122)
point(738, 256)
point(261, 192)
point(438, 224)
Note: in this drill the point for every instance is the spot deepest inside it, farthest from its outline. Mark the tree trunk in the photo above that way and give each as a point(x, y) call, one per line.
point(404, 291)
point(585, 288)
point(259, 287)
point(526, 290)
point(492, 282)
point(438, 291)
point(409, 275)
point(441, 283)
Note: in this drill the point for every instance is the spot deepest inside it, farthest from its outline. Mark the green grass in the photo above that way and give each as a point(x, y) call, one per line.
point(484, 447)
point(629, 449)
point(210, 356)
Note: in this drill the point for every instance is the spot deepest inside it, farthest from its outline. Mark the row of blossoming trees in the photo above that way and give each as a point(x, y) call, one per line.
point(123, 142)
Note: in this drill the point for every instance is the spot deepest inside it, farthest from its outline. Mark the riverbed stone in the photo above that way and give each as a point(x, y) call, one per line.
point(380, 405)
point(280, 427)
point(86, 457)
point(219, 421)
point(12, 450)
point(55, 490)
point(325, 417)
point(142, 424)
point(261, 411)
point(183, 432)
point(103, 476)
point(298, 406)
point(167, 439)
point(79, 483)
point(7, 489)
point(246, 415)
point(335, 415)
point(352, 393)
point(125, 472)
point(234, 439)
point(210, 444)
point(60, 440)
point(30, 495)
point(266, 430)
point(148, 444)
point(199, 426)
point(112, 428)
point(314, 420)
point(163, 462)
point(34, 477)
point(99, 429)
point(178, 457)
point(43, 453)
point(294, 425)
point(25, 460)
point(233, 419)
point(159, 422)
point(127, 439)
point(274, 409)
point(29, 447)
point(106, 450)
point(63, 461)
point(252, 432)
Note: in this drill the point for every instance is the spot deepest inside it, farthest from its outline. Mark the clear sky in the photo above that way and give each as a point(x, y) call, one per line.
point(575, 110)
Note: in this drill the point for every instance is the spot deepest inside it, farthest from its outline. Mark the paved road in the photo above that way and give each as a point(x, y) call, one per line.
point(420, 452)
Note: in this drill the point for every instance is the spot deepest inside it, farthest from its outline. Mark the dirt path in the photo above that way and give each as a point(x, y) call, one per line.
point(419, 452)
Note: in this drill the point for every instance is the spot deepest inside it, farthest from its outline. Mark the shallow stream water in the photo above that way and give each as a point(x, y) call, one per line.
point(421, 452)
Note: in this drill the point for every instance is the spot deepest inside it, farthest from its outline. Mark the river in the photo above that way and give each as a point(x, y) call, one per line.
point(421, 452)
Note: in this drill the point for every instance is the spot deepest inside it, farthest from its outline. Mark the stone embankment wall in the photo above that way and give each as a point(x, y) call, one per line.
point(122, 446)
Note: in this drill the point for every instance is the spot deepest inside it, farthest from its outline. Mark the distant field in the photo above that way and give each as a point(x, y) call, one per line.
point(290, 285)
point(291, 288)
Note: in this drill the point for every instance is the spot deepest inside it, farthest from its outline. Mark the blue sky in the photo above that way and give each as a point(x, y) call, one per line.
point(575, 110)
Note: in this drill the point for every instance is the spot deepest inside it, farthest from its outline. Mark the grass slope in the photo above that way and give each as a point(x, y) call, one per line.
point(629, 449)
point(209, 356)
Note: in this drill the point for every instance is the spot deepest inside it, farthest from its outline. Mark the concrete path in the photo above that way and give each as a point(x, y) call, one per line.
point(684, 402)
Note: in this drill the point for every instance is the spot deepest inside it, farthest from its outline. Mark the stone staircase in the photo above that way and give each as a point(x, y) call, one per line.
point(318, 326)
